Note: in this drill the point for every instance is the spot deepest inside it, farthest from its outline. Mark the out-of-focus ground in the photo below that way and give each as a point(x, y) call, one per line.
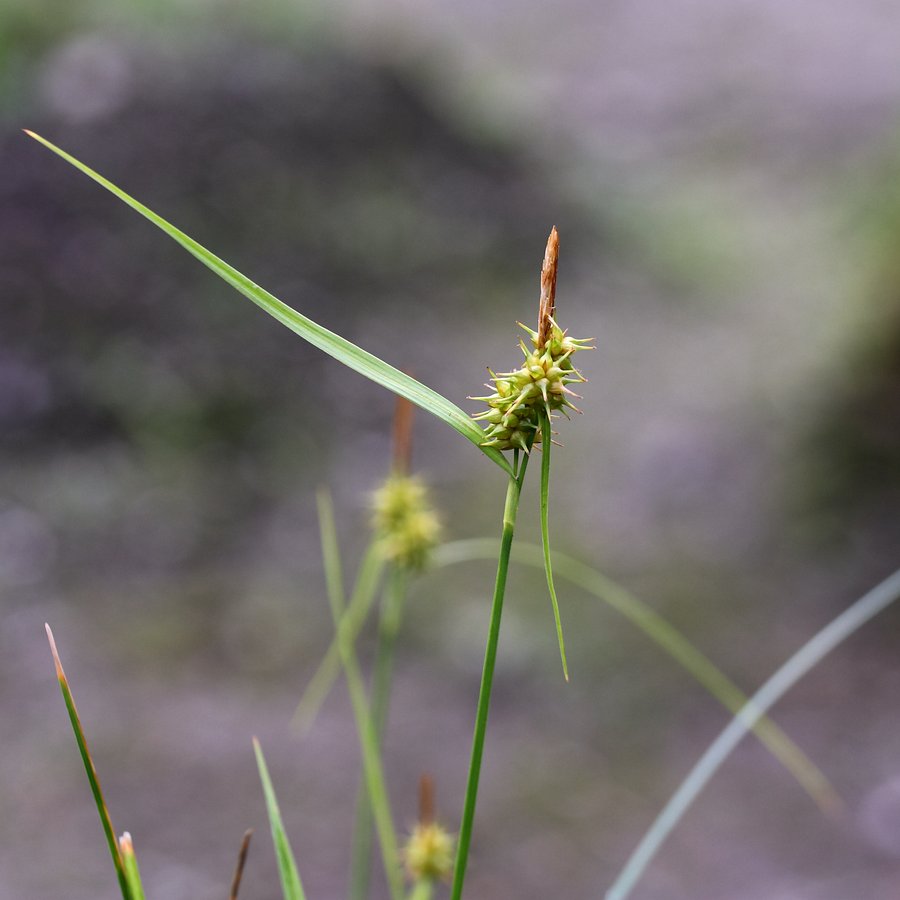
point(725, 180)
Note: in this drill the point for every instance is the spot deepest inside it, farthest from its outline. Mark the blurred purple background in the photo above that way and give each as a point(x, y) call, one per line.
point(726, 181)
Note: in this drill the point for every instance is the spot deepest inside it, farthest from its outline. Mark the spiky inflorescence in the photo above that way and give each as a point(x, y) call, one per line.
point(429, 852)
point(541, 383)
point(405, 522)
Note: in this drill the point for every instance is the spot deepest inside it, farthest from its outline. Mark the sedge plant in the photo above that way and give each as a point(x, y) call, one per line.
point(518, 417)
point(521, 408)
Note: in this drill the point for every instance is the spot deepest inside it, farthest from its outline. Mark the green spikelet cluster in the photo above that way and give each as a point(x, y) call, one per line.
point(405, 522)
point(541, 383)
point(429, 853)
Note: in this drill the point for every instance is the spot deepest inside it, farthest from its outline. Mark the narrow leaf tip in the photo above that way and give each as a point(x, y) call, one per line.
point(56, 660)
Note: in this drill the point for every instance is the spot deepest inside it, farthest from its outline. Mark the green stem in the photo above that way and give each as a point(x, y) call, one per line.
point(352, 620)
point(373, 771)
point(422, 890)
point(388, 627)
point(513, 490)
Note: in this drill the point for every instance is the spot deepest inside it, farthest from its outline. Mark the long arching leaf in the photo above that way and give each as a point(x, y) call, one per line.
point(333, 344)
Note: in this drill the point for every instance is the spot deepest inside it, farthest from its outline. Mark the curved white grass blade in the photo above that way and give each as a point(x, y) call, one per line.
point(811, 653)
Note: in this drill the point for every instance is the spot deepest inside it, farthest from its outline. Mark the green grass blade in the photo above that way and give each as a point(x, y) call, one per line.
point(809, 655)
point(334, 345)
point(670, 640)
point(351, 623)
point(392, 603)
point(132, 873)
point(100, 803)
point(287, 865)
point(373, 770)
point(331, 555)
point(546, 440)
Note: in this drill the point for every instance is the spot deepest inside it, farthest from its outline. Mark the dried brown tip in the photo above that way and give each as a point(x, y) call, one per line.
point(547, 307)
point(242, 860)
point(59, 669)
point(426, 800)
point(402, 435)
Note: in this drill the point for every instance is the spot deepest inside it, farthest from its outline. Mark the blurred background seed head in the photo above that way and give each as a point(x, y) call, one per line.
point(725, 181)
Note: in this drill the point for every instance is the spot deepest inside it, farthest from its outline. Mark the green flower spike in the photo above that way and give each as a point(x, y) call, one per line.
point(541, 384)
point(428, 853)
point(522, 407)
point(405, 522)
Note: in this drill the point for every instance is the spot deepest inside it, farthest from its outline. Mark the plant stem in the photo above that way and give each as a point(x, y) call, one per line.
point(388, 627)
point(372, 768)
point(352, 621)
point(513, 490)
point(373, 771)
point(422, 890)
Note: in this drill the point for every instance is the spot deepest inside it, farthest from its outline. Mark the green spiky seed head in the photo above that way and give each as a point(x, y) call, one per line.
point(405, 522)
point(428, 853)
point(541, 383)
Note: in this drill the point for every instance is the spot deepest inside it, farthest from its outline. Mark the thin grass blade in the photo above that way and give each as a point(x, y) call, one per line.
point(546, 440)
point(672, 642)
point(331, 556)
point(287, 865)
point(373, 769)
point(94, 780)
point(809, 655)
point(392, 604)
point(361, 601)
point(327, 341)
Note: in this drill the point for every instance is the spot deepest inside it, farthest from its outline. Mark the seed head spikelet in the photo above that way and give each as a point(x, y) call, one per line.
point(428, 853)
point(541, 383)
point(405, 522)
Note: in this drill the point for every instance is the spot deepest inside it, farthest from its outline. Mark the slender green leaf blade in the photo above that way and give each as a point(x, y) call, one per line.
point(546, 440)
point(331, 556)
point(351, 622)
point(392, 604)
point(334, 345)
point(287, 865)
point(94, 780)
point(373, 769)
